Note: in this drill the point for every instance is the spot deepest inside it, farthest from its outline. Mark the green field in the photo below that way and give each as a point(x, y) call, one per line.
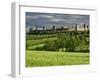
point(70, 48)
point(54, 58)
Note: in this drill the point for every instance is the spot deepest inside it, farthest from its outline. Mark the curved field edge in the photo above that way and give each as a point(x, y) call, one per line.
point(51, 58)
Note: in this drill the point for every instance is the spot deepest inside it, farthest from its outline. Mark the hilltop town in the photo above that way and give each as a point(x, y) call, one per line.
point(56, 29)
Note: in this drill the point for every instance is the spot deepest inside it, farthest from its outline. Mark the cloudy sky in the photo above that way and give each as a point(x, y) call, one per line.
point(47, 19)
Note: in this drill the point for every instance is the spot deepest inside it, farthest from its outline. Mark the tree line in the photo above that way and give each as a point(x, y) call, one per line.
point(68, 42)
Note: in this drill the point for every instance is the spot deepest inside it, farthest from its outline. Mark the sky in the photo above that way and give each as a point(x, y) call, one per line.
point(48, 19)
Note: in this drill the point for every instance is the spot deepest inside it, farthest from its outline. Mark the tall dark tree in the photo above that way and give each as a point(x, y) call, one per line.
point(76, 27)
point(88, 27)
point(84, 25)
point(43, 28)
point(30, 30)
point(54, 28)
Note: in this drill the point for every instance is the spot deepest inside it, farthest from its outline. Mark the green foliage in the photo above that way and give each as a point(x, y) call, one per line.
point(38, 41)
point(70, 48)
point(52, 58)
point(69, 42)
point(40, 36)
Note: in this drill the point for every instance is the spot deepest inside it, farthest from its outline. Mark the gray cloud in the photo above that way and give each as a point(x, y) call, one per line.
point(42, 19)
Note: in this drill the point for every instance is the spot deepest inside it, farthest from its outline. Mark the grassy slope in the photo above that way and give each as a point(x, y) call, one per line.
point(49, 58)
point(39, 41)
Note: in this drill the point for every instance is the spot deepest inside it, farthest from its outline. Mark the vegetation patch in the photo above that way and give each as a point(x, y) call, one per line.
point(51, 58)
